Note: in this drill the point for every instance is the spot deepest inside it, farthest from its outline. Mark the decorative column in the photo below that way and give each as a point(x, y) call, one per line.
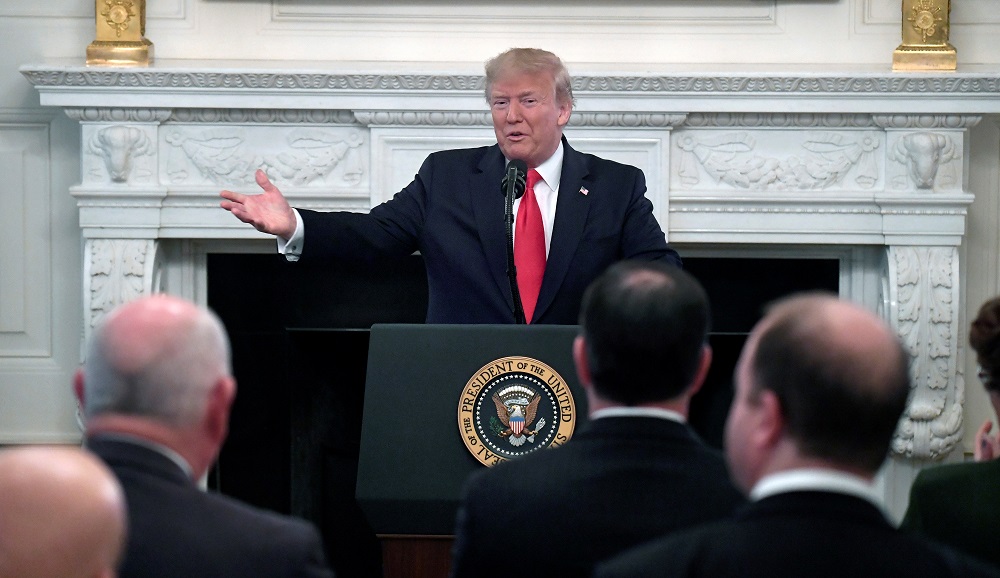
point(923, 293)
point(121, 201)
point(925, 180)
point(117, 271)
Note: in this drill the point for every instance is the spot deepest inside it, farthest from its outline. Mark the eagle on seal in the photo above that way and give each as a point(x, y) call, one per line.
point(516, 418)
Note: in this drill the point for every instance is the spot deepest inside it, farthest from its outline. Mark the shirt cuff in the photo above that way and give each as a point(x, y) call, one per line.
point(292, 248)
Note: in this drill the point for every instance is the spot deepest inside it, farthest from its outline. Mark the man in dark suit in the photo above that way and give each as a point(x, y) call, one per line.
point(637, 470)
point(959, 504)
point(156, 391)
point(820, 386)
point(593, 211)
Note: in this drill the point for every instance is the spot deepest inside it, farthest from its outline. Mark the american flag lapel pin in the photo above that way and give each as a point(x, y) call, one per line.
point(584, 191)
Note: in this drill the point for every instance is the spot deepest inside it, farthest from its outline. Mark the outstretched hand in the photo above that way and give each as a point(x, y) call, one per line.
point(987, 446)
point(268, 211)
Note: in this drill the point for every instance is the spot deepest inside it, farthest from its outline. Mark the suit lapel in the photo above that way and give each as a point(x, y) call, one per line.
point(489, 215)
point(572, 208)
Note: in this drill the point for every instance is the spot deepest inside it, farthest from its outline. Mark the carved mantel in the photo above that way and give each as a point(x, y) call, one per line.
point(853, 158)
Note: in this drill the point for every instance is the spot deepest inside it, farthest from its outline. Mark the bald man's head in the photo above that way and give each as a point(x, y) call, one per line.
point(156, 357)
point(62, 514)
point(839, 372)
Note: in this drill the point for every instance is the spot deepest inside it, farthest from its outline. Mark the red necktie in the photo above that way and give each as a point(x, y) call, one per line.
point(529, 247)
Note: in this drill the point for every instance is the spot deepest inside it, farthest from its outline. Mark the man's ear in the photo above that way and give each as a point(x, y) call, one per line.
point(78, 386)
point(704, 363)
point(581, 361)
point(220, 401)
point(565, 110)
point(771, 420)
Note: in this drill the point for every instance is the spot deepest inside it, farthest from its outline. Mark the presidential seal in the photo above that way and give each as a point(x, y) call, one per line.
point(513, 406)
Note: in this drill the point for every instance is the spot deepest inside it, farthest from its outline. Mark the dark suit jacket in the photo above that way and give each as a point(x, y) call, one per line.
point(795, 535)
point(618, 482)
point(176, 529)
point(958, 505)
point(453, 213)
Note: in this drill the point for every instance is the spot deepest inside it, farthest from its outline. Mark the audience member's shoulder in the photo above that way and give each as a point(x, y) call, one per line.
point(254, 519)
point(946, 474)
point(692, 552)
point(509, 475)
point(959, 563)
point(654, 557)
point(532, 461)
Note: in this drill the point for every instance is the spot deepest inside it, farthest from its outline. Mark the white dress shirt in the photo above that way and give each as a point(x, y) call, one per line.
point(622, 411)
point(816, 479)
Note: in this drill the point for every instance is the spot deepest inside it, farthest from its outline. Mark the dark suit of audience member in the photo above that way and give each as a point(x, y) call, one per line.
point(821, 384)
point(637, 471)
point(156, 390)
point(594, 211)
point(959, 504)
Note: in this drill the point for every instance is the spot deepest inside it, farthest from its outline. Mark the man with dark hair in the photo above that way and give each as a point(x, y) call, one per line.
point(578, 215)
point(156, 390)
point(628, 340)
point(820, 386)
point(636, 471)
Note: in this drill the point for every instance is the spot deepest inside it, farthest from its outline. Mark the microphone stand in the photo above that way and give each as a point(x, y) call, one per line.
point(513, 186)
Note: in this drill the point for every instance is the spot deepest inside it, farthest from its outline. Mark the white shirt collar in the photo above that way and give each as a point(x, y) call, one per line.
point(622, 411)
point(151, 445)
point(551, 169)
point(815, 479)
point(546, 192)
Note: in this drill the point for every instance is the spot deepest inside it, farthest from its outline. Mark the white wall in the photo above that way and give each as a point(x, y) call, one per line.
point(40, 247)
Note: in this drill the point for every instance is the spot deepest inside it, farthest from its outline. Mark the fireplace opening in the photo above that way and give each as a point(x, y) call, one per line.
point(296, 423)
point(738, 289)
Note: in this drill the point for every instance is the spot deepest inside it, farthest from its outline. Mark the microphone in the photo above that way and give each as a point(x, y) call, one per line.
point(512, 186)
point(514, 181)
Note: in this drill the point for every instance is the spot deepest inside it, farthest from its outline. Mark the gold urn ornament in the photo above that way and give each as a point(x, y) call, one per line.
point(926, 24)
point(121, 31)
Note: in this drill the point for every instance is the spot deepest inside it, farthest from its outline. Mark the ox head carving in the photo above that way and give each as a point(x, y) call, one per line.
point(923, 153)
point(118, 145)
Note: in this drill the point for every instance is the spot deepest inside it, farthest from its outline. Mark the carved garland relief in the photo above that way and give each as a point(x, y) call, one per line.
point(928, 161)
point(826, 159)
point(222, 156)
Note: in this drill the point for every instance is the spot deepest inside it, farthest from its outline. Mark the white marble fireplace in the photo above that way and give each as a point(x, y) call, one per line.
point(856, 163)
